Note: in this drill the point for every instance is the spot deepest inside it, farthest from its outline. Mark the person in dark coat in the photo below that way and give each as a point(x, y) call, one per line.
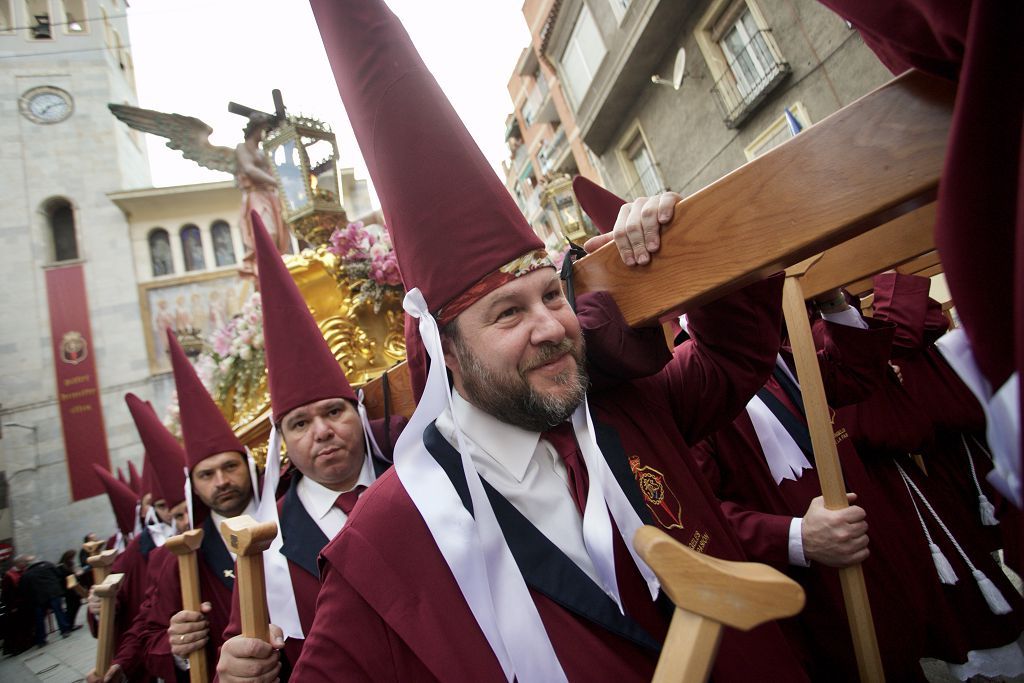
point(72, 589)
point(17, 609)
point(45, 586)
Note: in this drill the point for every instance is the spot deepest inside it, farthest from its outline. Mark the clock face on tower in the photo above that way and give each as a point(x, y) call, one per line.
point(46, 104)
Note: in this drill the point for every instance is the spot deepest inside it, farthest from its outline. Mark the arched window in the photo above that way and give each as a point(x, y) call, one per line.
point(192, 248)
point(160, 252)
point(61, 218)
point(223, 247)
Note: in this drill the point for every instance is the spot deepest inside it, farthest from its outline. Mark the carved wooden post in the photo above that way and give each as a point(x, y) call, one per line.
point(708, 594)
point(107, 592)
point(830, 474)
point(248, 538)
point(100, 564)
point(185, 546)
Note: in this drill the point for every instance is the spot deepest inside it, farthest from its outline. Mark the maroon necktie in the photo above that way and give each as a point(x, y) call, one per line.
point(346, 501)
point(564, 441)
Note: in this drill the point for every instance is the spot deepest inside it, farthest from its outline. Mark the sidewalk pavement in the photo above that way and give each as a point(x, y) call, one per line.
point(63, 660)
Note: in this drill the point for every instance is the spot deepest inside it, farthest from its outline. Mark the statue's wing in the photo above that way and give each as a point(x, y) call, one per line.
point(186, 134)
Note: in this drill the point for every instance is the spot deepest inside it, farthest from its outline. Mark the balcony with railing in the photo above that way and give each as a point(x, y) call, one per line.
point(553, 152)
point(539, 107)
point(754, 71)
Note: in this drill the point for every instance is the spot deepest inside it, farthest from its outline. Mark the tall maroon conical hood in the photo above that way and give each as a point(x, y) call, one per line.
point(167, 457)
point(203, 427)
point(601, 205)
point(300, 366)
point(134, 481)
point(149, 483)
point(451, 220)
point(122, 499)
point(120, 476)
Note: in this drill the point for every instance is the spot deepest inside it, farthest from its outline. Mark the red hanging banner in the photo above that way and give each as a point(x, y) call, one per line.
point(78, 394)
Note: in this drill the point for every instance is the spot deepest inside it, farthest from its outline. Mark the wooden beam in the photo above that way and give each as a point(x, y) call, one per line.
point(925, 265)
point(400, 392)
point(868, 163)
point(904, 239)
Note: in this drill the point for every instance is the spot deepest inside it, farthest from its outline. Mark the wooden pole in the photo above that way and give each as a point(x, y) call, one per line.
point(101, 565)
point(185, 546)
point(826, 462)
point(107, 592)
point(248, 539)
point(710, 593)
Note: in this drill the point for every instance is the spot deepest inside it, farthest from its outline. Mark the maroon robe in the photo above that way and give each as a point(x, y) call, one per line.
point(303, 541)
point(978, 45)
point(389, 607)
point(216, 581)
point(853, 363)
point(933, 408)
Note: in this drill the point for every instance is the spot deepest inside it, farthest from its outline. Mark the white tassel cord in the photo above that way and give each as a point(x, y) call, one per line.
point(942, 565)
point(996, 602)
point(985, 508)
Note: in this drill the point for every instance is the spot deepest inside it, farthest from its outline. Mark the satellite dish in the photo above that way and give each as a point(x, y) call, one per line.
point(679, 69)
point(678, 72)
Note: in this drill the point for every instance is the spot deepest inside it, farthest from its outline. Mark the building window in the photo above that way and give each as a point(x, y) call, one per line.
point(6, 16)
point(61, 218)
point(582, 56)
point(777, 132)
point(39, 23)
point(619, 8)
point(192, 248)
point(160, 252)
point(74, 17)
point(639, 165)
point(223, 247)
point(742, 55)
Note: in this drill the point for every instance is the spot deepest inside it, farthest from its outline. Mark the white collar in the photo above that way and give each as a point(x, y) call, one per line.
point(510, 447)
point(319, 500)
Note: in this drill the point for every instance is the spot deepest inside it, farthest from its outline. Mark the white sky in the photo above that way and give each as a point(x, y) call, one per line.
point(194, 56)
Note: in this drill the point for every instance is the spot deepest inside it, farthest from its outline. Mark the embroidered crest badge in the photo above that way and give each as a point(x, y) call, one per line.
point(229, 573)
point(660, 499)
point(73, 348)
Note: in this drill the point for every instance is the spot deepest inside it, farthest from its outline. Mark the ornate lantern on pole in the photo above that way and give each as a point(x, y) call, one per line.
point(304, 154)
point(564, 211)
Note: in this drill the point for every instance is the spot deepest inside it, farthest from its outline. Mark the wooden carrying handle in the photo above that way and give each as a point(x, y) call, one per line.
point(185, 546)
point(709, 593)
point(830, 474)
point(101, 565)
point(107, 592)
point(248, 538)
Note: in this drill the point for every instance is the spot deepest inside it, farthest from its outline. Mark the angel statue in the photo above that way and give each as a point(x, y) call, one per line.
point(247, 162)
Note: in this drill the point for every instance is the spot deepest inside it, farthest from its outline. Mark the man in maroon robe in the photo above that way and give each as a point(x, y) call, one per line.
point(317, 414)
point(140, 562)
point(976, 44)
point(408, 591)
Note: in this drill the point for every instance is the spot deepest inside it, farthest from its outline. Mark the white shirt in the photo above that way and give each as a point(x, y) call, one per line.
point(527, 471)
point(319, 500)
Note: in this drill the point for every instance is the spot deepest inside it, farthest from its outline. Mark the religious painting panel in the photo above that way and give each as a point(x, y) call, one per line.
point(193, 307)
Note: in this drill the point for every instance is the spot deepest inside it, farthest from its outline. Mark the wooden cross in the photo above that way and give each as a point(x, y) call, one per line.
point(100, 564)
point(107, 593)
point(185, 546)
point(248, 539)
point(867, 174)
point(710, 593)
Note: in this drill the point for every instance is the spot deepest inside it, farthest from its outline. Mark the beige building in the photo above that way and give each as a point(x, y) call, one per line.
point(743, 63)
